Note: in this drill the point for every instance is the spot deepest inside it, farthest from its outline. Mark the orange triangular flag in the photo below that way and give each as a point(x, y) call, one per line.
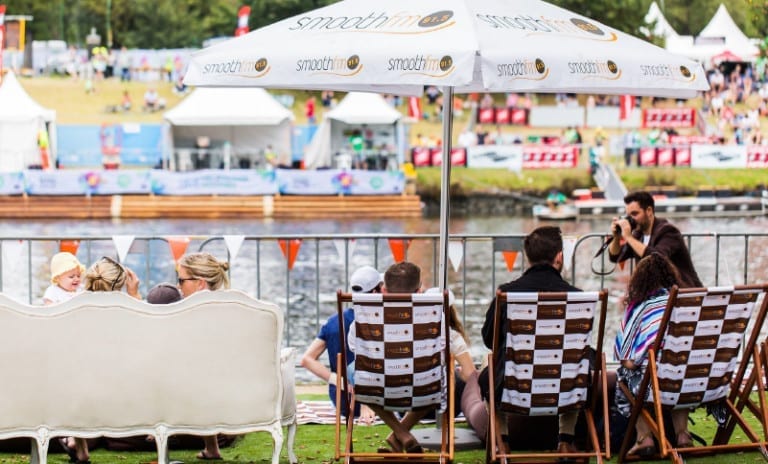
point(510, 257)
point(290, 249)
point(178, 246)
point(69, 245)
point(399, 247)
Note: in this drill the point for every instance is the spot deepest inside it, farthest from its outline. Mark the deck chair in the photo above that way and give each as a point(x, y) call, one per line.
point(547, 366)
point(695, 362)
point(402, 354)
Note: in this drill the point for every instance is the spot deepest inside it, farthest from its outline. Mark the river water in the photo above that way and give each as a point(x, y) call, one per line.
point(309, 297)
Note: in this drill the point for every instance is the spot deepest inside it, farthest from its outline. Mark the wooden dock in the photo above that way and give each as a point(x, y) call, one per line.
point(210, 207)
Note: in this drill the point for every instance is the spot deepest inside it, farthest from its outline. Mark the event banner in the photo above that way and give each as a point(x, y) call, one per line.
point(11, 183)
point(337, 181)
point(496, 156)
point(669, 117)
point(550, 156)
point(214, 182)
point(86, 182)
point(718, 156)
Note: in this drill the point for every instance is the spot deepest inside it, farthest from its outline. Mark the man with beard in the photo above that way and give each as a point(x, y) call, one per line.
point(650, 234)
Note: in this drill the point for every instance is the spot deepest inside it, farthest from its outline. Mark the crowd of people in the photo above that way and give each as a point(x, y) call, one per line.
point(657, 246)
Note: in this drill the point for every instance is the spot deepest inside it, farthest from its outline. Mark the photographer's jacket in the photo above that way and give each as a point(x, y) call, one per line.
point(666, 240)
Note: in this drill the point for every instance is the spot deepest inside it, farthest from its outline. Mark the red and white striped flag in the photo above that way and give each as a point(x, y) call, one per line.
point(626, 105)
point(242, 20)
point(2, 38)
point(414, 108)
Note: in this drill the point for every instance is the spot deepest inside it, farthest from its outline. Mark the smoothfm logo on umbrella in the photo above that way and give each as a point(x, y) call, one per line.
point(667, 71)
point(242, 68)
point(402, 22)
point(571, 27)
point(336, 65)
point(534, 70)
point(425, 65)
point(597, 69)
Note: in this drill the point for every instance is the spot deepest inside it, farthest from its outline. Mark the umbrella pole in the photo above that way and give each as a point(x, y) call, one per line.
point(445, 185)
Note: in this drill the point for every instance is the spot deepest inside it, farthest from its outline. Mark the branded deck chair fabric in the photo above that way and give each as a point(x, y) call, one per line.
point(698, 345)
point(548, 348)
point(401, 358)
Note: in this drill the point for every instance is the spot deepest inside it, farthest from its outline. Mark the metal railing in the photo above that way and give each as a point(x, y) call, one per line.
point(306, 291)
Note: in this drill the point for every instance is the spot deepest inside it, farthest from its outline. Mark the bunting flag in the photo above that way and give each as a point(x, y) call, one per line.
point(233, 242)
point(626, 105)
point(12, 250)
point(399, 247)
point(2, 38)
point(69, 245)
point(339, 245)
point(290, 249)
point(510, 257)
point(242, 20)
point(455, 254)
point(178, 246)
point(569, 243)
point(414, 108)
point(122, 245)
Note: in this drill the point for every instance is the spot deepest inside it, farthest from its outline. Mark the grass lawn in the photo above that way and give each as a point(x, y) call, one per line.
point(315, 444)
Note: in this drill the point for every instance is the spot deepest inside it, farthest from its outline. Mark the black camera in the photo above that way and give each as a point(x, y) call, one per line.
point(630, 220)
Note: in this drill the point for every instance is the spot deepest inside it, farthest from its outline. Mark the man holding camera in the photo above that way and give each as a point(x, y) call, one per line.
point(644, 233)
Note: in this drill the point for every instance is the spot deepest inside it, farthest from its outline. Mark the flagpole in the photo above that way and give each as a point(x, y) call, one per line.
point(445, 184)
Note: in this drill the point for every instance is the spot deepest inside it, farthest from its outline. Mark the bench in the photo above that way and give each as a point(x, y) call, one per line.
point(106, 364)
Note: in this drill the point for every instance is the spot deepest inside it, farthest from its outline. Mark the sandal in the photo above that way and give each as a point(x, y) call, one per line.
point(684, 440)
point(203, 456)
point(71, 452)
point(643, 451)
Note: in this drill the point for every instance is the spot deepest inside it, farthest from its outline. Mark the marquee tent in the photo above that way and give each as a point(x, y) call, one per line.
point(357, 111)
point(721, 34)
point(245, 120)
point(661, 27)
point(21, 119)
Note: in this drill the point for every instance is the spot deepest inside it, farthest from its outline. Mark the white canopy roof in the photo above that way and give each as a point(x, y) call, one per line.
point(719, 35)
point(230, 106)
point(364, 108)
point(17, 106)
point(661, 27)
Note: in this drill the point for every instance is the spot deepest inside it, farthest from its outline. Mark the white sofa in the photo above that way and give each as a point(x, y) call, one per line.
point(108, 364)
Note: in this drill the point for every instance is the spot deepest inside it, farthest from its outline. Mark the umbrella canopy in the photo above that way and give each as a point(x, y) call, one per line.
point(399, 46)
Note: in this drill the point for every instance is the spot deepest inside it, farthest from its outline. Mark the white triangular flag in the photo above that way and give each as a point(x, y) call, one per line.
point(234, 242)
point(122, 245)
point(455, 254)
point(12, 250)
point(569, 243)
point(339, 244)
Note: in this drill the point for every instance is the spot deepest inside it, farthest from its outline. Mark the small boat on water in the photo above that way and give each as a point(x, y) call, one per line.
point(558, 213)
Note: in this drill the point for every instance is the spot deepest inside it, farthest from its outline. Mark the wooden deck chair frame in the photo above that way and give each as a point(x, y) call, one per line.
point(599, 384)
point(346, 450)
point(739, 392)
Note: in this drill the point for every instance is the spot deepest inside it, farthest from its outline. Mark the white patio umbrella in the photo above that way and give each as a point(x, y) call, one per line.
point(399, 46)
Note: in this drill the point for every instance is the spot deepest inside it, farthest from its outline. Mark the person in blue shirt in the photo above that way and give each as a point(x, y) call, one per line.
point(364, 280)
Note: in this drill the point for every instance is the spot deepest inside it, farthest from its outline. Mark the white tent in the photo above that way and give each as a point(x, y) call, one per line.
point(357, 111)
point(721, 34)
point(661, 27)
point(245, 120)
point(21, 118)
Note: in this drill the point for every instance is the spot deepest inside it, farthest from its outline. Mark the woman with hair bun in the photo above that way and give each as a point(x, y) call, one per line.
point(202, 271)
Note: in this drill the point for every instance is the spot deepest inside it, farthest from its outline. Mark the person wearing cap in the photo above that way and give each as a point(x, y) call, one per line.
point(66, 277)
point(364, 280)
point(163, 293)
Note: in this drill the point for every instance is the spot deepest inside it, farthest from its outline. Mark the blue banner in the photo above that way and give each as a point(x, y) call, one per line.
point(214, 182)
point(83, 146)
point(11, 183)
point(85, 182)
point(337, 181)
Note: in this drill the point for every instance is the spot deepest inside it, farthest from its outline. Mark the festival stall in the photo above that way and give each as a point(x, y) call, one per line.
point(229, 127)
point(363, 131)
point(27, 130)
point(721, 34)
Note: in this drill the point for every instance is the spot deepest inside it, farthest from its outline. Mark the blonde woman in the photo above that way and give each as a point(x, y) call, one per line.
point(202, 271)
point(105, 275)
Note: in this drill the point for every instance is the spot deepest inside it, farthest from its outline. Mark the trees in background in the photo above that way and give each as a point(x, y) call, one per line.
point(186, 23)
